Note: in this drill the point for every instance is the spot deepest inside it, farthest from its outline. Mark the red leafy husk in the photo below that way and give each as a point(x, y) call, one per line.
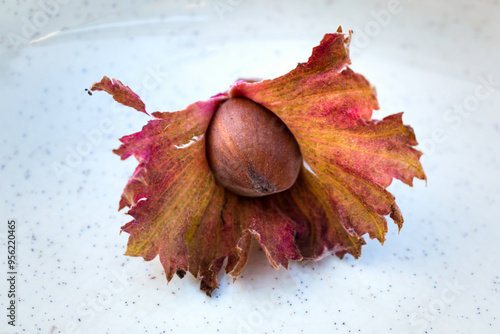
point(181, 214)
point(120, 93)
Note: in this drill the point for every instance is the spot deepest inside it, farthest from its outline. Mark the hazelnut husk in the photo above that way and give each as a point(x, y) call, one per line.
point(250, 151)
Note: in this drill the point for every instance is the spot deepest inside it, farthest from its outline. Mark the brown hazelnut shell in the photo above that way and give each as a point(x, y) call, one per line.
point(250, 151)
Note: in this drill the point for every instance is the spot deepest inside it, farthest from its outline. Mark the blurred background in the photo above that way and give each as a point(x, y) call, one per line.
point(437, 61)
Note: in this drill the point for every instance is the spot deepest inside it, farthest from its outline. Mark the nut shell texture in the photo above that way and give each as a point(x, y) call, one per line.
point(251, 152)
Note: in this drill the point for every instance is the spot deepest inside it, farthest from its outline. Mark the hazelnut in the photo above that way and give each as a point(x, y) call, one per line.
point(250, 151)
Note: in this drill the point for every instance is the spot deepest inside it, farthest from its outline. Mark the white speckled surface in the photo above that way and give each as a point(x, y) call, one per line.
point(441, 274)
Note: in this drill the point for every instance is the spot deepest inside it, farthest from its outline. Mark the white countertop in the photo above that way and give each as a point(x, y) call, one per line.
point(432, 60)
